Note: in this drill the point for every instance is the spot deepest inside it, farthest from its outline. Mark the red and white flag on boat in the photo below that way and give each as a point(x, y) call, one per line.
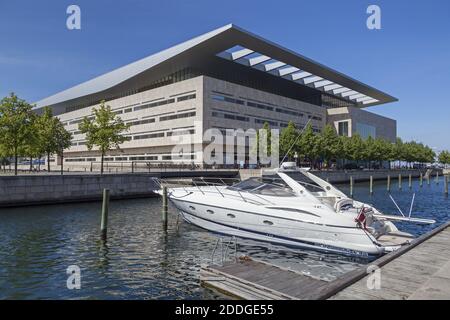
point(361, 218)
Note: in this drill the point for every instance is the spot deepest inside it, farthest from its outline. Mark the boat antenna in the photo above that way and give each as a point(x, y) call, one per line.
point(400, 210)
point(295, 141)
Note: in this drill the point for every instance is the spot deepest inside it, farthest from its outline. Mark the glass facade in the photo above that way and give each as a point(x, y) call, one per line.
point(365, 130)
point(329, 101)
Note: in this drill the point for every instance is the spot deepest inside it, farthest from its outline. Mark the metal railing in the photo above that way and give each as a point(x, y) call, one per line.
point(224, 249)
point(213, 188)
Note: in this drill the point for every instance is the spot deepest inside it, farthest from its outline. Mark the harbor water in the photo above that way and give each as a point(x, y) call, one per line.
point(140, 260)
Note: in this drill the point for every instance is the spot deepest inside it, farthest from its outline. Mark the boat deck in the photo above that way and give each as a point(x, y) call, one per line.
point(419, 270)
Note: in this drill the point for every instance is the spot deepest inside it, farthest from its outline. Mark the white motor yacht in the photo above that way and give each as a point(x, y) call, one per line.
point(304, 213)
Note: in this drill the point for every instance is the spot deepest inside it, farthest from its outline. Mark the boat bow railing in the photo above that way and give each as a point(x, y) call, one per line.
point(213, 188)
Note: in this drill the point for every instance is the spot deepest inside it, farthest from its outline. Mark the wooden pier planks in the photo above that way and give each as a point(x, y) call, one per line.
point(420, 270)
point(249, 279)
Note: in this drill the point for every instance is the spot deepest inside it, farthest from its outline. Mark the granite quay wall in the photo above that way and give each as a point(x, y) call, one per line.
point(47, 189)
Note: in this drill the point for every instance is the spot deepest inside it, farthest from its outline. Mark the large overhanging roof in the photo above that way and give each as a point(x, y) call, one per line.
point(237, 45)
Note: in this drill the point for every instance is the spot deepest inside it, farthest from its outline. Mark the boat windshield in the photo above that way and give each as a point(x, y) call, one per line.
point(268, 187)
point(305, 181)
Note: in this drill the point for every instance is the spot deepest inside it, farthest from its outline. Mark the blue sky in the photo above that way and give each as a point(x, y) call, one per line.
point(408, 58)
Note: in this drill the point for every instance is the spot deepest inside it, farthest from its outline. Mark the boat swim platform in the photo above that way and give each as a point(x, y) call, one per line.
point(419, 270)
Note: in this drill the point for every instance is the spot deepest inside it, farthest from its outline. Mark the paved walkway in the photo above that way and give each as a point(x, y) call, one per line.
point(421, 273)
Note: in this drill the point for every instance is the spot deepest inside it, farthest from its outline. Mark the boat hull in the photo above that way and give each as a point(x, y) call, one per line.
point(281, 231)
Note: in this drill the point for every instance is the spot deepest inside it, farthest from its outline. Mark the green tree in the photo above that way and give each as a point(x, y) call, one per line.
point(15, 125)
point(104, 130)
point(329, 143)
point(47, 127)
point(428, 155)
point(355, 148)
point(380, 151)
point(399, 150)
point(288, 138)
point(30, 147)
point(444, 157)
point(308, 145)
point(62, 140)
point(4, 156)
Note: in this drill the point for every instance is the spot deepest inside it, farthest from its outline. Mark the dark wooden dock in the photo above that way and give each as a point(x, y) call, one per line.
point(420, 270)
point(251, 280)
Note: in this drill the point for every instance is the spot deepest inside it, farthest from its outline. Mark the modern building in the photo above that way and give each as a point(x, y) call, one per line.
point(226, 78)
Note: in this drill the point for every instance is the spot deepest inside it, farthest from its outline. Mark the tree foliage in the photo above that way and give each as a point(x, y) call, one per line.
point(103, 131)
point(307, 146)
point(24, 133)
point(52, 136)
point(16, 118)
point(444, 157)
point(62, 141)
point(288, 138)
point(328, 146)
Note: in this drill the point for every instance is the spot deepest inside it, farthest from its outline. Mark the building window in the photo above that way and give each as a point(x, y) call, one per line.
point(259, 106)
point(329, 101)
point(227, 99)
point(262, 121)
point(75, 159)
point(154, 104)
point(230, 116)
point(177, 116)
point(289, 112)
point(184, 98)
point(315, 118)
point(143, 158)
point(343, 128)
point(136, 123)
point(181, 132)
point(149, 136)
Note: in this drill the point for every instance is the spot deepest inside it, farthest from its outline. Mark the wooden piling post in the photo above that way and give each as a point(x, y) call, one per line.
point(165, 207)
point(389, 183)
point(421, 180)
point(371, 185)
point(428, 179)
point(351, 187)
point(410, 181)
point(105, 210)
point(437, 177)
point(446, 184)
point(400, 181)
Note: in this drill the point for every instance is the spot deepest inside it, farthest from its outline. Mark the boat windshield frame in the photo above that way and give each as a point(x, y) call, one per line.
point(258, 186)
point(276, 181)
